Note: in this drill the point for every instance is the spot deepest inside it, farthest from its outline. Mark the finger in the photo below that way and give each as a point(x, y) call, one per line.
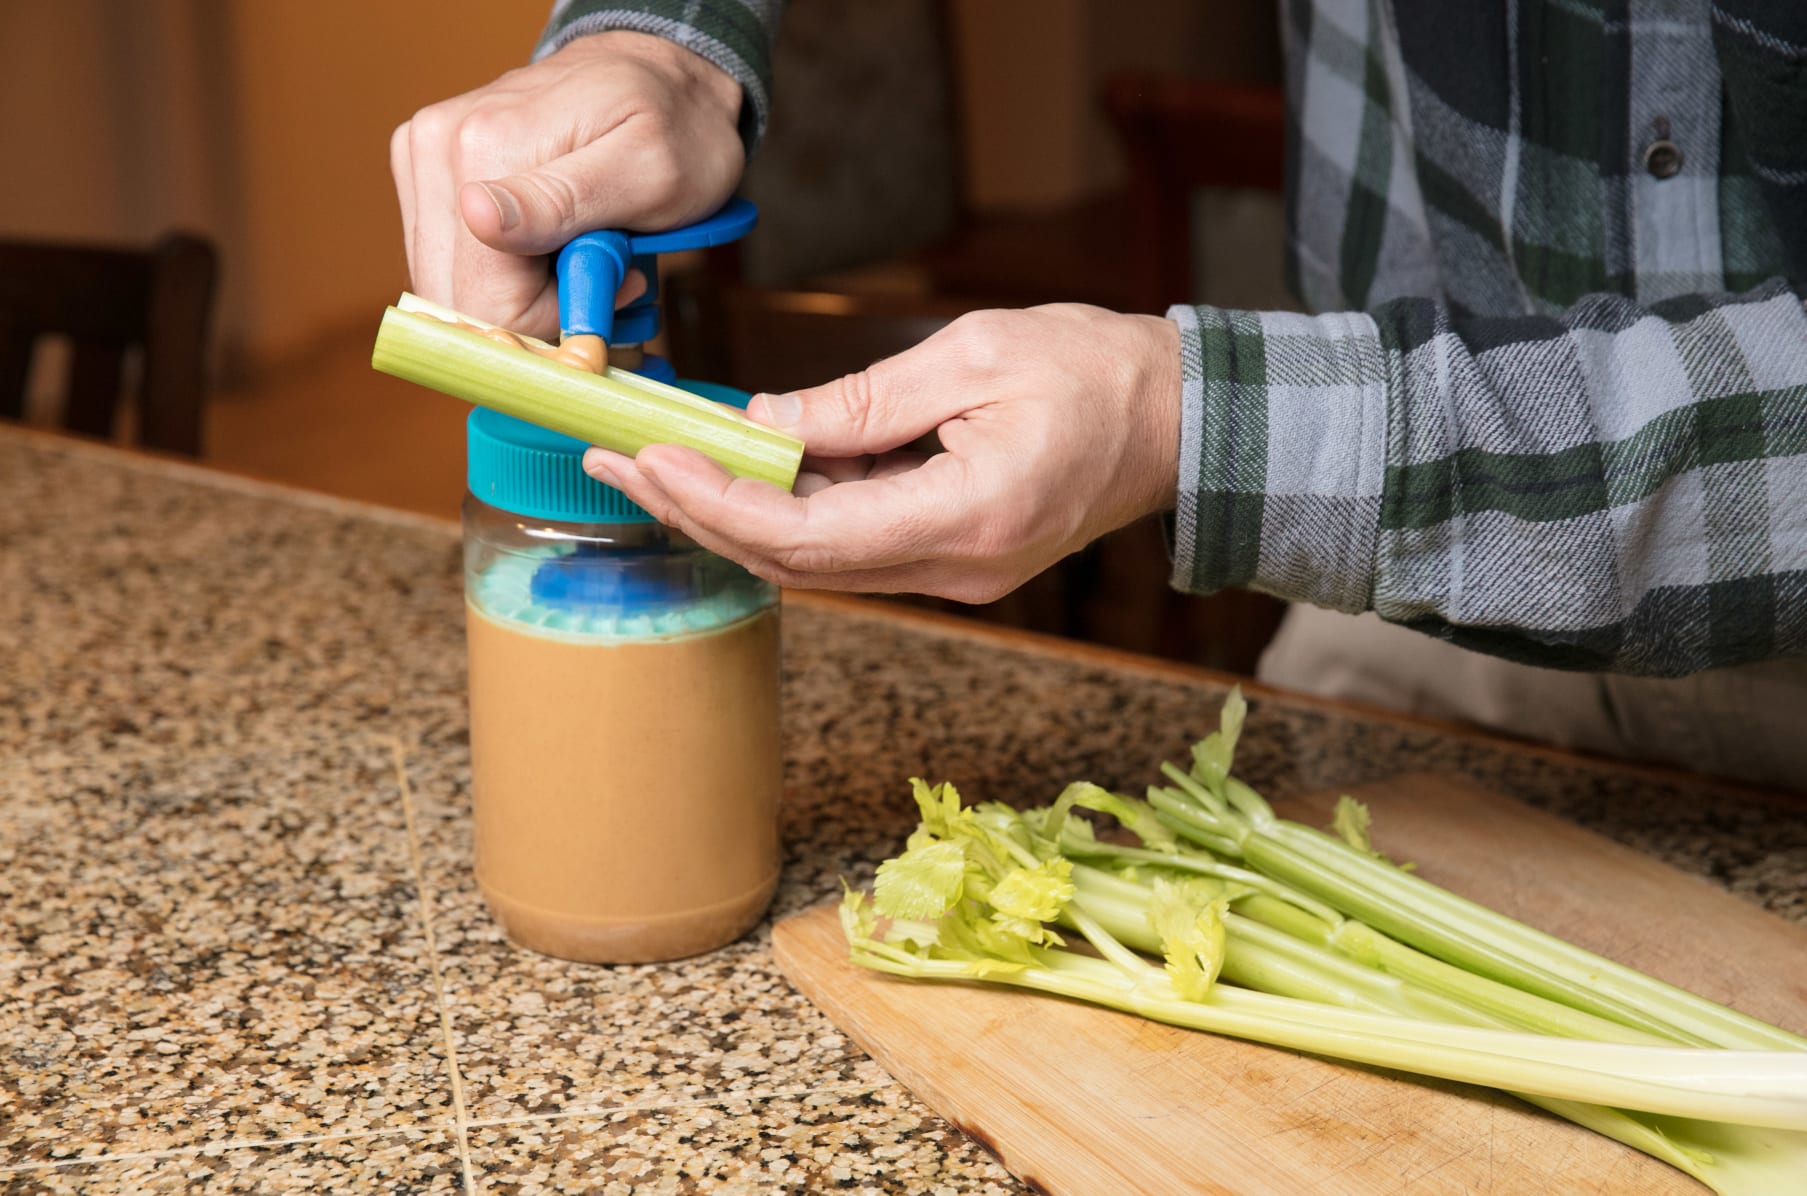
point(864, 524)
point(401, 169)
point(892, 464)
point(606, 465)
point(450, 266)
point(624, 473)
point(961, 581)
point(632, 287)
point(643, 488)
point(610, 467)
point(519, 293)
point(854, 469)
point(837, 469)
point(937, 579)
point(436, 225)
point(883, 407)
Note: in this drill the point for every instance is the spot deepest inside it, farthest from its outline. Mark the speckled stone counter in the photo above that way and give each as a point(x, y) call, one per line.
point(240, 945)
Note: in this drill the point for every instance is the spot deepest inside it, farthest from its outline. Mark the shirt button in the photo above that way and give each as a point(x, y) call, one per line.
point(1663, 159)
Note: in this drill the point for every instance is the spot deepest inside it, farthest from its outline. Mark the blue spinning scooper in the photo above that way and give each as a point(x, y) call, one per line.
point(592, 266)
point(590, 272)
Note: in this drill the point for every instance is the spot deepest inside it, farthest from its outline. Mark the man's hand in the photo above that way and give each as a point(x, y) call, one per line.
point(615, 130)
point(1057, 425)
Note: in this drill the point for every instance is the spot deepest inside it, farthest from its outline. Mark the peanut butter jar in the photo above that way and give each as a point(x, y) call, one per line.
point(625, 747)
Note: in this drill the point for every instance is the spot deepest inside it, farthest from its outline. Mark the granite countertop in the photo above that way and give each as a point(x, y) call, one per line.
point(240, 945)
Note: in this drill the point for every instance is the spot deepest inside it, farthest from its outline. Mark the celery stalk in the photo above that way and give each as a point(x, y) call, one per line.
point(1758, 1088)
point(1727, 1157)
point(617, 410)
point(1461, 932)
point(1443, 925)
point(1264, 934)
point(1295, 962)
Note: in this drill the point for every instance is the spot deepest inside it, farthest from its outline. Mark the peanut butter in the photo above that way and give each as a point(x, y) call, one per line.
point(586, 351)
point(625, 791)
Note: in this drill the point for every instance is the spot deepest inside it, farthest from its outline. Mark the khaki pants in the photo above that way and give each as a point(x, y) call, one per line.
point(1747, 722)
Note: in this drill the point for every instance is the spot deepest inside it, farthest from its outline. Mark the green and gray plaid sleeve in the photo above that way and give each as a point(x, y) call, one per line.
point(1562, 416)
point(736, 35)
point(1620, 488)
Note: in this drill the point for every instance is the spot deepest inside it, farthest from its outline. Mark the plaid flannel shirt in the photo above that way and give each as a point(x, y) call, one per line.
point(1557, 406)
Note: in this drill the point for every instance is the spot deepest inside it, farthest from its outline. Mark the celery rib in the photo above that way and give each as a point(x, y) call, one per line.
point(1314, 943)
point(1463, 932)
point(617, 410)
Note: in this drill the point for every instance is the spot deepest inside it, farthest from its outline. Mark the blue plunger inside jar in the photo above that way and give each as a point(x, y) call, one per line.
point(591, 578)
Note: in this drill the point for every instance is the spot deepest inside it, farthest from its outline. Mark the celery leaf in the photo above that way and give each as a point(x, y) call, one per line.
point(921, 883)
point(1351, 822)
point(1188, 917)
point(1211, 760)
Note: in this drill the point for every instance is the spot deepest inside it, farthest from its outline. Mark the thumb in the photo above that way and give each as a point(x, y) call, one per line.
point(538, 210)
point(883, 407)
point(529, 213)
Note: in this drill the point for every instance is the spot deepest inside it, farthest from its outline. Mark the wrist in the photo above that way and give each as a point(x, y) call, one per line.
point(688, 73)
point(1156, 409)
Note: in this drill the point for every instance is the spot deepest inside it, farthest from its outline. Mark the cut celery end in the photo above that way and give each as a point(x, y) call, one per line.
point(618, 410)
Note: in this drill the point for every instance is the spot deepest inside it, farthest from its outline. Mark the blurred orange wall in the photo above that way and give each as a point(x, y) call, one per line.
point(266, 123)
point(322, 85)
point(263, 123)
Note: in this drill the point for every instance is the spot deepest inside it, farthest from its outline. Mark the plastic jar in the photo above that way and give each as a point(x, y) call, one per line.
point(624, 713)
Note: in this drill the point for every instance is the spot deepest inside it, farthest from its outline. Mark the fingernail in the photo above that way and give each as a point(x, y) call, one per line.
point(506, 207)
point(781, 411)
point(595, 468)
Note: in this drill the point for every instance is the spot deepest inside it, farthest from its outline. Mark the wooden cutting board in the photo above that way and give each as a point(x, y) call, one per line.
point(1089, 1102)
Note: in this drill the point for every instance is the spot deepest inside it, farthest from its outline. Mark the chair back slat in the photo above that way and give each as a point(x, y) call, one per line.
point(107, 302)
point(92, 396)
point(1180, 136)
point(15, 367)
point(773, 341)
point(80, 291)
point(787, 340)
point(180, 302)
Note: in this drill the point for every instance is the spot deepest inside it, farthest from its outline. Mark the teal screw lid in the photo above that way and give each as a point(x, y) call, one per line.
point(533, 471)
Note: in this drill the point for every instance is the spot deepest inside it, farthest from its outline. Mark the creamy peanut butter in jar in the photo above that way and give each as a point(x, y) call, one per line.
point(624, 714)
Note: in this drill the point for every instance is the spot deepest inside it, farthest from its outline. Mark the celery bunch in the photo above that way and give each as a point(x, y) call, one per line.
point(1272, 931)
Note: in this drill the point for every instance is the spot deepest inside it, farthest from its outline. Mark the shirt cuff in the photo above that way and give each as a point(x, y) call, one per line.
point(1283, 443)
point(735, 36)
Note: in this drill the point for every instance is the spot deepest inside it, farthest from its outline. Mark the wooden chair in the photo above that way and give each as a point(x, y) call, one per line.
point(775, 340)
point(110, 302)
point(1181, 136)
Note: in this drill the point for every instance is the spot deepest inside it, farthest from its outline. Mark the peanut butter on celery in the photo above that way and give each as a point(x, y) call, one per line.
point(584, 352)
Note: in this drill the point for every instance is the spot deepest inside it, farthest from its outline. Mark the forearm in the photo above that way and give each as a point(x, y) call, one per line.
point(735, 35)
point(1622, 489)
